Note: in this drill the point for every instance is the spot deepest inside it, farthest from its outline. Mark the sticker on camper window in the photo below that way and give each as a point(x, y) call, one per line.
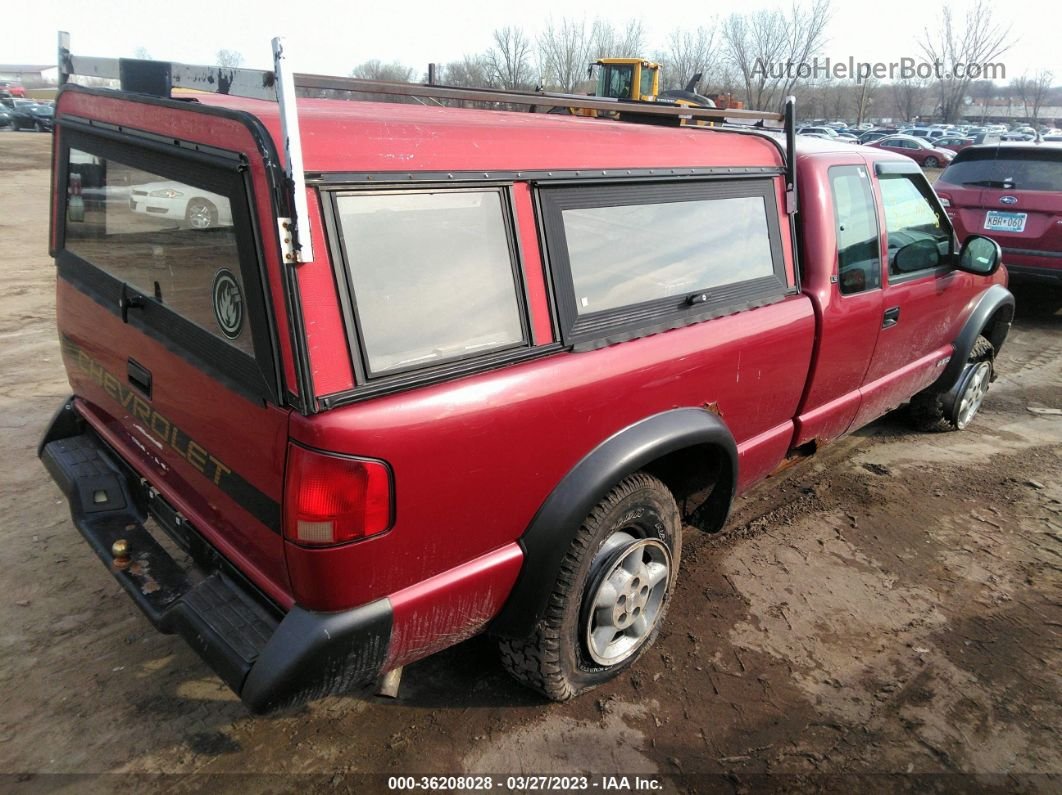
point(228, 303)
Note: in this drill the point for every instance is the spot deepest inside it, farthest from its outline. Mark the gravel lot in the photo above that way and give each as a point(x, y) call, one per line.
point(886, 615)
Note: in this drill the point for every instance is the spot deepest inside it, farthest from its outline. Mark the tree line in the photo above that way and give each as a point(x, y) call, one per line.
point(732, 52)
point(743, 56)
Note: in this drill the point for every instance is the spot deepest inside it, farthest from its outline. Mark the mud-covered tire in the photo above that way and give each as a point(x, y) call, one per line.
point(622, 547)
point(927, 408)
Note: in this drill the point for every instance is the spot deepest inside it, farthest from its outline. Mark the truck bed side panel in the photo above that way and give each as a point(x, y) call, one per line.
point(490, 448)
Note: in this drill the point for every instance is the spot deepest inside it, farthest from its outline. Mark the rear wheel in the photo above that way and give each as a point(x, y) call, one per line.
point(611, 596)
point(939, 411)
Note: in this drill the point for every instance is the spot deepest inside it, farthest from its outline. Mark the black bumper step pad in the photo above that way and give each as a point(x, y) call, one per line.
point(213, 612)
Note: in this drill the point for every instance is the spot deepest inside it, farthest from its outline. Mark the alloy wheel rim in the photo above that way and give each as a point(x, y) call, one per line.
point(974, 394)
point(627, 602)
point(199, 216)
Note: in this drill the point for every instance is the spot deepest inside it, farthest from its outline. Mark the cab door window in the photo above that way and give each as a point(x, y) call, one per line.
point(919, 233)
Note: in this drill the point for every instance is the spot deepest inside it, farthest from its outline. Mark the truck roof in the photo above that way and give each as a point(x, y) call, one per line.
point(354, 136)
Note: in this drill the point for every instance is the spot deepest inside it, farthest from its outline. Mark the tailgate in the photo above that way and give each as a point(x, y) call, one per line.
point(165, 324)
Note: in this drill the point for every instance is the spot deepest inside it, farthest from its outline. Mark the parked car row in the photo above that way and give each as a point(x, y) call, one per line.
point(26, 114)
point(828, 132)
point(931, 146)
point(969, 134)
point(922, 152)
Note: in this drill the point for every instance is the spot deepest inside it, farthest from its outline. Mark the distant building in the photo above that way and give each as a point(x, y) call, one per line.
point(30, 75)
point(1003, 112)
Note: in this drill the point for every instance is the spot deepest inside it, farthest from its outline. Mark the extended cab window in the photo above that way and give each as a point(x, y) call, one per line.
point(433, 276)
point(858, 252)
point(635, 258)
point(919, 233)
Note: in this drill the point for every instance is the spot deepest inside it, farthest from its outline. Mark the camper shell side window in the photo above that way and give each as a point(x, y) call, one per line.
point(633, 259)
point(430, 279)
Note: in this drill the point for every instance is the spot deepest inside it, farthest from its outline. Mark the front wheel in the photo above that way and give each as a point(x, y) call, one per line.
point(610, 598)
point(931, 162)
point(956, 409)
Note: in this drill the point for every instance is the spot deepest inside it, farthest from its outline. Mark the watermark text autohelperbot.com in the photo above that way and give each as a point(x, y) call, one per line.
point(851, 69)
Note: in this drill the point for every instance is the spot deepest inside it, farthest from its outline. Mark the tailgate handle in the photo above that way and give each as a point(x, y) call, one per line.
point(140, 377)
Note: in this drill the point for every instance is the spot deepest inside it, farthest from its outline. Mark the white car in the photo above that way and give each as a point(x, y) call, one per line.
point(192, 207)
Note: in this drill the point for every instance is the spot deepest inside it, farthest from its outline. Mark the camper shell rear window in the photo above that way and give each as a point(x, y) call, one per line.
point(172, 237)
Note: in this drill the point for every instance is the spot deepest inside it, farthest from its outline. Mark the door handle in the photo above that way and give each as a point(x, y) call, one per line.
point(892, 317)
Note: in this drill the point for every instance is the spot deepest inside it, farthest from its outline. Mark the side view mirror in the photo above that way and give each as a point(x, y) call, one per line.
point(980, 255)
point(917, 256)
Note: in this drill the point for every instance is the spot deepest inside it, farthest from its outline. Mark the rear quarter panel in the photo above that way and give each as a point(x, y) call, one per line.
point(474, 459)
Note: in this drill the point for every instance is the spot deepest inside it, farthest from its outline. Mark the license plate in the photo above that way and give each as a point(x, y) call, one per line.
point(998, 221)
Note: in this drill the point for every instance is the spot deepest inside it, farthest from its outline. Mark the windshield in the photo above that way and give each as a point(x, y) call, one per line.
point(1036, 169)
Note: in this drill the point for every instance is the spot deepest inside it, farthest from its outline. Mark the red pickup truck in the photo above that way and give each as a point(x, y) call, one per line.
point(527, 349)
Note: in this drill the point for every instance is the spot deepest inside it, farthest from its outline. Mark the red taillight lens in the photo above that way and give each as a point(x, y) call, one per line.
point(330, 499)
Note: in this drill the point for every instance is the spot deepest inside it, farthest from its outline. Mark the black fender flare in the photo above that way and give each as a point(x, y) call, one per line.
point(546, 540)
point(988, 303)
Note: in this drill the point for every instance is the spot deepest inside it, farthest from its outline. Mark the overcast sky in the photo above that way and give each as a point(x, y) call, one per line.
point(331, 37)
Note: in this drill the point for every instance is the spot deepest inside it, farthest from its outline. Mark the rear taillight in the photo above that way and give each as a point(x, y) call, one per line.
point(332, 499)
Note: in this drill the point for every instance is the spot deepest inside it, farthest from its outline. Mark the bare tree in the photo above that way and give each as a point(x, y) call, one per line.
point(984, 91)
point(564, 54)
point(142, 54)
point(728, 81)
point(393, 72)
point(1033, 91)
point(960, 45)
point(772, 50)
point(866, 98)
point(608, 42)
point(230, 59)
point(909, 96)
point(472, 71)
point(509, 60)
point(688, 52)
point(375, 70)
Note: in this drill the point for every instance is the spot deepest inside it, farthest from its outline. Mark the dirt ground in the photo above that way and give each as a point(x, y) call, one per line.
point(883, 617)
